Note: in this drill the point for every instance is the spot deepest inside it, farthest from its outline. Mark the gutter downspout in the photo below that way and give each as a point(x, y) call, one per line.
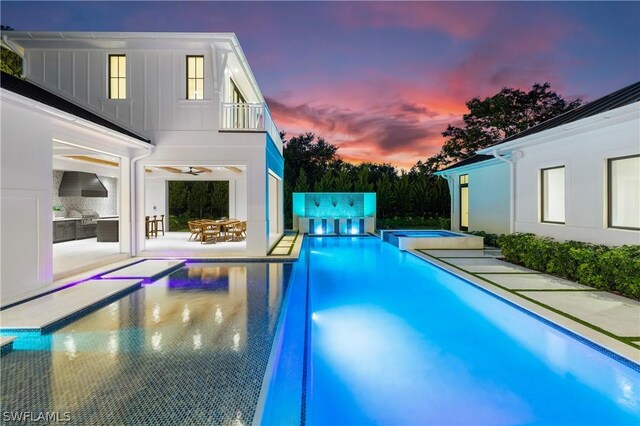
point(133, 211)
point(512, 187)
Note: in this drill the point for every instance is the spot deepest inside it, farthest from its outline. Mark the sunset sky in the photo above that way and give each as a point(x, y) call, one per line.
point(383, 79)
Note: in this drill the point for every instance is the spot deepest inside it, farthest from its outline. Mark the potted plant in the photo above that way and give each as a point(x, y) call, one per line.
point(58, 211)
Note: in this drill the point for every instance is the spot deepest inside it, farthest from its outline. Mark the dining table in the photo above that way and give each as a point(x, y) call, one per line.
point(222, 225)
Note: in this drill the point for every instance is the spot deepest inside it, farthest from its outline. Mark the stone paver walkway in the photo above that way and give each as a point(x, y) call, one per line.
point(285, 245)
point(617, 315)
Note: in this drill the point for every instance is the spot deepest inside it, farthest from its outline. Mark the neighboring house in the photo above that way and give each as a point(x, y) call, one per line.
point(142, 109)
point(573, 177)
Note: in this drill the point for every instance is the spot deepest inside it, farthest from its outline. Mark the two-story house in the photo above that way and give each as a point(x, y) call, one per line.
point(138, 110)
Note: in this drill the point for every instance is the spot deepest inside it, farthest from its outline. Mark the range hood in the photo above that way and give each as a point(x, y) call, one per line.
point(80, 184)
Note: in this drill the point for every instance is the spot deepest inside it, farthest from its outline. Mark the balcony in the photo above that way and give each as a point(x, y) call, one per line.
point(249, 118)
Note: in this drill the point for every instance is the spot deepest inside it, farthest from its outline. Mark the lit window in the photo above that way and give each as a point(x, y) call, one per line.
point(552, 184)
point(464, 202)
point(117, 77)
point(624, 192)
point(195, 77)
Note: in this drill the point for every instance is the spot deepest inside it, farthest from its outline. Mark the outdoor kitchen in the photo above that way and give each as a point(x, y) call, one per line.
point(85, 206)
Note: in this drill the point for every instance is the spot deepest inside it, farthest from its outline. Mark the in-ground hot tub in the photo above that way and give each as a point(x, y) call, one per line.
point(431, 239)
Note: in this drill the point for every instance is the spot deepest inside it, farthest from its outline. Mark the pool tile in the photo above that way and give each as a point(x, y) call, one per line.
point(533, 282)
point(616, 314)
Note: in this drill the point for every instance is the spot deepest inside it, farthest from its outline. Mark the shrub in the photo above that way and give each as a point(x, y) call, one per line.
point(489, 239)
point(615, 269)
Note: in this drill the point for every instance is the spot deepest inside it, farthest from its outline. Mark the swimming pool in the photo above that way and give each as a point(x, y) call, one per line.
point(361, 333)
point(189, 348)
point(431, 239)
point(392, 339)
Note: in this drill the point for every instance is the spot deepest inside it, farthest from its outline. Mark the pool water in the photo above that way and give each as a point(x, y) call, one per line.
point(190, 348)
point(395, 340)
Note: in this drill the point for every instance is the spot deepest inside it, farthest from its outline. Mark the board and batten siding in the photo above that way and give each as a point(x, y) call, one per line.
point(156, 87)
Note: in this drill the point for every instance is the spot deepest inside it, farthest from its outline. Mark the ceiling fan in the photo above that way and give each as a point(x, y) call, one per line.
point(194, 171)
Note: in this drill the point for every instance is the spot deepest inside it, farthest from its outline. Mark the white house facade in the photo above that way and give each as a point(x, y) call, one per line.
point(138, 110)
point(574, 177)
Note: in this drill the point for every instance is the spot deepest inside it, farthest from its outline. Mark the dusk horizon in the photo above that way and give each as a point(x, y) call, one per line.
point(382, 80)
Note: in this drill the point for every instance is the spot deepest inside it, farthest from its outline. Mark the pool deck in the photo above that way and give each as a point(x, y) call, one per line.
point(610, 320)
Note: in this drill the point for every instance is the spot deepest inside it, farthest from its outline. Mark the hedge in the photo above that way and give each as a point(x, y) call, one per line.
point(615, 269)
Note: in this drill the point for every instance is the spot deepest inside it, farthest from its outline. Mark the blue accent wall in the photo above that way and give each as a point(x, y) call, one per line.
point(275, 161)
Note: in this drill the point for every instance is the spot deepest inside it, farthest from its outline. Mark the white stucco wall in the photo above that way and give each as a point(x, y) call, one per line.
point(155, 198)
point(488, 197)
point(584, 153)
point(25, 202)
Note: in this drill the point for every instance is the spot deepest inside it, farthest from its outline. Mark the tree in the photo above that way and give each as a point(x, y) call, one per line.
point(314, 156)
point(301, 184)
point(362, 183)
point(497, 117)
point(384, 196)
point(10, 62)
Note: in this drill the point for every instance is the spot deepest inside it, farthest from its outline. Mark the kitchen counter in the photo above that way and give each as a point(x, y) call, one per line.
point(108, 230)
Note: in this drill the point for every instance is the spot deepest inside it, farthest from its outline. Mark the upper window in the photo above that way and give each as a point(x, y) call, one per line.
point(624, 192)
point(552, 184)
point(195, 77)
point(117, 77)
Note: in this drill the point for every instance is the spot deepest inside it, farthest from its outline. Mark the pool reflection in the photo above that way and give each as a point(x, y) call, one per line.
point(192, 347)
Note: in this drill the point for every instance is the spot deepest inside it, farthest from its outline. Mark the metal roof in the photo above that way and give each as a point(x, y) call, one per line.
point(477, 158)
point(31, 91)
point(617, 99)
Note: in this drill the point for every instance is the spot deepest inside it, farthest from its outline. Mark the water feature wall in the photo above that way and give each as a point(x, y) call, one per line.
point(351, 213)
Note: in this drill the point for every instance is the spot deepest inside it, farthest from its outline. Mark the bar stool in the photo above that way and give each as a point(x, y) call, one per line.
point(147, 223)
point(160, 225)
point(150, 227)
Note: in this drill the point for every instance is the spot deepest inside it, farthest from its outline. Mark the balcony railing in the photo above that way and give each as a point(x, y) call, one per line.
point(249, 118)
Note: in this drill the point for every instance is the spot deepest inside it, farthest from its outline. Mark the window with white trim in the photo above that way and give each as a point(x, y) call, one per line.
point(117, 77)
point(195, 77)
point(624, 192)
point(552, 194)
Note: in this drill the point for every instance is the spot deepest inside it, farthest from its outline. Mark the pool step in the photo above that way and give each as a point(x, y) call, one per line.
point(56, 309)
point(150, 269)
point(6, 344)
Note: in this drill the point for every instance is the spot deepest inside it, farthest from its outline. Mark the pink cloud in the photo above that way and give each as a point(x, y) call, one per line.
point(441, 16)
